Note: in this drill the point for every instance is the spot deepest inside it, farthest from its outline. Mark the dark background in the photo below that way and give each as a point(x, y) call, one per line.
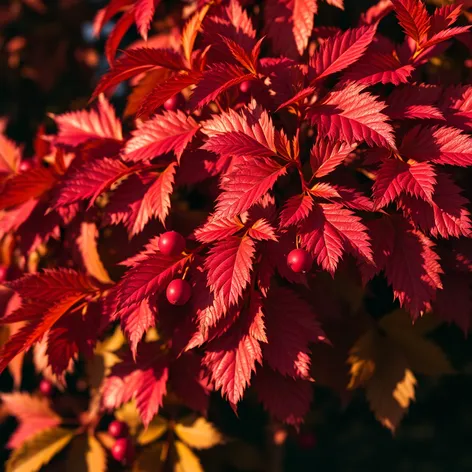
point(49, 62)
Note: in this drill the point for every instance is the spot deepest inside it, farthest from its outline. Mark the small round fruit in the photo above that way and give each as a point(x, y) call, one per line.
point(3, 273)
point(123, 450)
point(299, 261)
point(24, 166)
point(174, 103)
point(118, 429)
point(178, 292)
point(245, 86)
point(171, 243)
point(46, 388)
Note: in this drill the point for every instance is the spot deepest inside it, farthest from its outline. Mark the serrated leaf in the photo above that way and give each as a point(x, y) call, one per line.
point(171, 131)
point(143, 13)
point(340, 51)
point(413, 18)
point(157, 427)
point(262, 230)
point(247, 184)
point(303, 13)
point(326, 155)
point(295, 210)
point(39, 450)
point(352, 116)
point(229, 265)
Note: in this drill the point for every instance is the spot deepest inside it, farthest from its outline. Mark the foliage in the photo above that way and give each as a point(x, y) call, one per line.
point(252, 132)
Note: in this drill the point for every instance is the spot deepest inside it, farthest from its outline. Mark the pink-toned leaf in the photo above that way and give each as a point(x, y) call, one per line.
point(249, 182)
point(340, 51)
point(171, 131)
point(114, 39)
point(143, 13)
point(216, 229)
point(330, 230)
point(396, 177)
point(262, 230)
point(77, 127)
point(327, 155)
point(229, 266)
point(303, 13)
point(350, 115)
point(295, 210)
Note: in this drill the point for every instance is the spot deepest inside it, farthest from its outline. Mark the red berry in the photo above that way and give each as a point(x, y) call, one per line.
point(46, 388)
point(174, 103)
point(178, 292)
point(245, 86)
point(171, 243)
point(3, 273)
point(24, 166)
point(118, 429)
point(123, 450)
point(299, 260)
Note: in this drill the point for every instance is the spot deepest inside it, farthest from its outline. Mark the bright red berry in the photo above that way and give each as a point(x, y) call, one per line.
point(46, 388)
point(123, 450)
point(175, 102)
point(299, 260)
point(118, 429)
point(24, 166)
point(3, 273)
point(171, 243)
point(245, 86)
point(178, 292)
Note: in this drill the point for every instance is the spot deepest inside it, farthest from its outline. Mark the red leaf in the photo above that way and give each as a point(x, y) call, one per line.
point(136, 321)
point(10, 156)
point(247, 60)
point(413, 101)
point(327, 155)
point(216, 80)
point(443, 17)
point(262, 230)
point(77, 127)
point(145, 381)
point(116, 35)
point(379, 67)
point(340, 51)
point(250, 133)
point(330, 230)
point(376, 12)
point(156, 201)
point(149, 276)
point(351, 116)
point(442, 145)
point(52, 284)
point(229, 266)
point(231, 361)
point(89, 181)
point(303, 13)
point(20, 188)
point(143, 13)
point(216, 229)
point(295, 210)
point(413, 18)
point(247, 184)
point(445, 35)
point(286, 399)
point(136, 61)
point(291, 326)
point(165, 90)
point(171, 131)
point(396, 177)
point(32, 333)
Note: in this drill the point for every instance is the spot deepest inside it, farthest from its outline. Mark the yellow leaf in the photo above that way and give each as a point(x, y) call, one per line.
point(151, 458)
point(128, 413)
point(86, 454)
point(391, 388)
point(155, 430)
point(186, 460)
point(424, 356)
point(113, 343)
point(198, 433)
point(39, 450)
point(87, 242)
point(96, 456)
point(361, 358)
